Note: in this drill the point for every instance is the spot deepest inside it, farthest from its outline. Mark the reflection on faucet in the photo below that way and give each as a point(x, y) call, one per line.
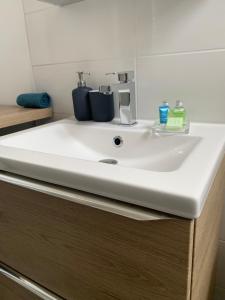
point(124, 94)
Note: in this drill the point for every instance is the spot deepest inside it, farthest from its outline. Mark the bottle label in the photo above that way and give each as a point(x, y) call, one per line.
point(175, 123)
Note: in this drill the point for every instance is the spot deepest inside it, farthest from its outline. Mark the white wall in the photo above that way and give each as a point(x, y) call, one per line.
point(176, 46)
point(15, 66)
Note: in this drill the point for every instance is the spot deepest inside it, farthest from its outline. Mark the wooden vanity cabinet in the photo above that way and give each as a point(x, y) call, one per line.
point(82, 253)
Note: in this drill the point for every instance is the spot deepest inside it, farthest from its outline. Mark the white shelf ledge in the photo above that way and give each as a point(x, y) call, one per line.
point(60, 2)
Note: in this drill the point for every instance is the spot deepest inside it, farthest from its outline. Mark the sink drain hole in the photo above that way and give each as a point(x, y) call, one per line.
point(109, 161)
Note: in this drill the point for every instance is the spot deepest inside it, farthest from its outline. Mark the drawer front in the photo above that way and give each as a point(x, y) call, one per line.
point(16, 286)
point(9, 290)
point(82, 253)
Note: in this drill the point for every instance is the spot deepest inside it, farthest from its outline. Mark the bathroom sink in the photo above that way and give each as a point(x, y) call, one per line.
point(170, 173)
point(133, 147)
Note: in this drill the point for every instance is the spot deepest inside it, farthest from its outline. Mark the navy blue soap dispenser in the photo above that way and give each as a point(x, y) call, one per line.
point(102, 104)
point(81, 102)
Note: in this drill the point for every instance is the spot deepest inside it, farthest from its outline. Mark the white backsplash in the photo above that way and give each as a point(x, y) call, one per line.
point(195, 78)
point(66, 74)
point(186, 26)
point(85, 31)
point(177, 48)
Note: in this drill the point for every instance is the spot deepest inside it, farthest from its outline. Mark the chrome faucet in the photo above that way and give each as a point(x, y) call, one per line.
point(125, 96)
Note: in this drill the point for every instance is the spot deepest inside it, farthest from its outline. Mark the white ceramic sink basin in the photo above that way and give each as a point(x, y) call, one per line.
point(167, 173)
point(138, 149)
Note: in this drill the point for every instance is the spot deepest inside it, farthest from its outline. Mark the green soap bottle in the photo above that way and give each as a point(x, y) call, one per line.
point(177, 117)
point(179, 111)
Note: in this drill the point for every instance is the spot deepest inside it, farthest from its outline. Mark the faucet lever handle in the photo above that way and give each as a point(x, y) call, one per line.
point(123, 77)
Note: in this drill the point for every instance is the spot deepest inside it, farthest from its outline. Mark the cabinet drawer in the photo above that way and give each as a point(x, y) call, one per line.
point(82, 253)
point(9, 290)
point(15, 286)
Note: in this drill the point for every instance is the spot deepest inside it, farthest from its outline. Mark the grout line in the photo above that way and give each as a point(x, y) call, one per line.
point(81, 61)
point(136, 54)
point(29, 48)
point(135, 57)
point(202, 51)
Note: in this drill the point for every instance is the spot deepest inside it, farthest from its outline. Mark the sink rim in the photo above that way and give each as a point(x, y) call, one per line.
point(184, 194)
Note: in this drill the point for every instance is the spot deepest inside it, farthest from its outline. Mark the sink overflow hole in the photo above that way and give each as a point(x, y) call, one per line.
point(109, 161)
point(117, 141)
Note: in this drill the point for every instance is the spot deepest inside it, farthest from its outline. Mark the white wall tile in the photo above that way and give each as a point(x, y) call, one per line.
point(88, 30)
point(59, 80)
point(16, 72)
point(34, 5)
point(188, 25)
point(197, 79)
point(221, 266)
point(144, 20)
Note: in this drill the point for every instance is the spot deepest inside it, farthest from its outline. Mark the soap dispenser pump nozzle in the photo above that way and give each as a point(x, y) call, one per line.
point(81, 81)
point(179, 103)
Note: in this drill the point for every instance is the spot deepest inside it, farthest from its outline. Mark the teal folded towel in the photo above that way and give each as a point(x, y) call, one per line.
point(34, 100)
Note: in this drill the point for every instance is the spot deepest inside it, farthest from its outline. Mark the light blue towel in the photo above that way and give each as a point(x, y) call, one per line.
point(34, 100)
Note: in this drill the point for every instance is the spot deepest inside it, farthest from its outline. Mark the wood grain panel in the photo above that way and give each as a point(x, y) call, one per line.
point(82, 253)
point(14, 115)
point(207, 229)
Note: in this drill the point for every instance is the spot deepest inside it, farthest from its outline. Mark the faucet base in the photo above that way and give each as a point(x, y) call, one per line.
point(128, 125)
